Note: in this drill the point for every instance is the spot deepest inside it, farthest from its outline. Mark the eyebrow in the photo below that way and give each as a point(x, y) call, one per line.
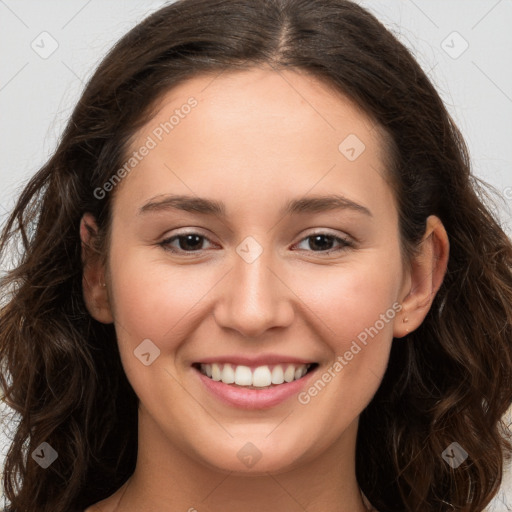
point(311, 204)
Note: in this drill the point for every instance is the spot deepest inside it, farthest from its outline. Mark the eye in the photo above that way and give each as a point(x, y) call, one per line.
point(193, 242)
point(322, 242)
point(186, 242)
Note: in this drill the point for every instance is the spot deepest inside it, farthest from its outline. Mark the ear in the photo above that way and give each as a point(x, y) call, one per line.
point(94, 287)
point(427, 272)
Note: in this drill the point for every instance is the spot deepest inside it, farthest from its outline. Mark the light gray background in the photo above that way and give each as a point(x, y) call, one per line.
point(38, 91)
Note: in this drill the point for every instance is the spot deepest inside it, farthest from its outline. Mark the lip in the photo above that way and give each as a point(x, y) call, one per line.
point(251, 399)
point(253, 362)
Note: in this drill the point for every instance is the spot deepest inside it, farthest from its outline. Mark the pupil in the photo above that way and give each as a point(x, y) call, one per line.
point(321, 246)
point(193, 241)
point(189, 241)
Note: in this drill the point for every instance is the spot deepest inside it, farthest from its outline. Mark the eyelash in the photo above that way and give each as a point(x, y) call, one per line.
point(345, 243)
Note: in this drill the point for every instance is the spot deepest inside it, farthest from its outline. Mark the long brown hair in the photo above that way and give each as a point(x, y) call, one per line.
point(449, 381)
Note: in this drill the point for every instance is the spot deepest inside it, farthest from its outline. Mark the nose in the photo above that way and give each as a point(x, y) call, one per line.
point(254, 298)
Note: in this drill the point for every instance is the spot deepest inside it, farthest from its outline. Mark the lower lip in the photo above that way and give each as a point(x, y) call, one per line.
point(244, 398)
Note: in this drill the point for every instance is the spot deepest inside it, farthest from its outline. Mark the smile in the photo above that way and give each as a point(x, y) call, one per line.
point(258, 377)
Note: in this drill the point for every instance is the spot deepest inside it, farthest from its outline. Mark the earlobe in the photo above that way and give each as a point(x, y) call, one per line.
point(428, 269)
point(95, 292)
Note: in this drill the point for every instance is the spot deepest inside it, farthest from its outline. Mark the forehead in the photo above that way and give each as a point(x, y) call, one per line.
point(257, 130)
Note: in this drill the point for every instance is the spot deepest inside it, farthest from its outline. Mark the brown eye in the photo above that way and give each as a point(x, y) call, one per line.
point(186, 242)
point(323, 242)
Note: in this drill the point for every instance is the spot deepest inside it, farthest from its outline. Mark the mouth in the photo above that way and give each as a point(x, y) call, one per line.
point(255, 377)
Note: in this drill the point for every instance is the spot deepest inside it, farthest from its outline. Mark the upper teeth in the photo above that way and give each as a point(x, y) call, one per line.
point(260, 376)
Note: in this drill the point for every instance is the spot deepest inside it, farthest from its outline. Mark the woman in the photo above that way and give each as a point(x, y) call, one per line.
point(257, 274)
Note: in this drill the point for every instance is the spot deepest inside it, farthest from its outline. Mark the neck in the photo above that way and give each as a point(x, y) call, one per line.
point(168, 480)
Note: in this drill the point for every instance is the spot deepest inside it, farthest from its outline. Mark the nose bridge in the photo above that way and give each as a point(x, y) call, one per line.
point(253, 299)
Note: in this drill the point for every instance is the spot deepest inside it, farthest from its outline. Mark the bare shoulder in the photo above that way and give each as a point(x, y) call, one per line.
point(107, 505)
point(101, 506)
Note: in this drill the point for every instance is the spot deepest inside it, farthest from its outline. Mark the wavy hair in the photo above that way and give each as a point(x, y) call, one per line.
point(450, 380)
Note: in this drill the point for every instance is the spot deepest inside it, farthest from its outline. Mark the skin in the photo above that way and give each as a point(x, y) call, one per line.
point(256, 139)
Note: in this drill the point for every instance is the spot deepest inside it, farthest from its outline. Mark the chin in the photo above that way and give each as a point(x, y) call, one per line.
point(249, 460)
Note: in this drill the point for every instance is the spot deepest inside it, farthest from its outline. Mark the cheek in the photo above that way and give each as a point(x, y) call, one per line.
point(159, 302)
point(153, 298)
point(348, 300)
point(356, 307)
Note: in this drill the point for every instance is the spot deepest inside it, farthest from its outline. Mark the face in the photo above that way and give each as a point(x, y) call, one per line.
point(283, 250)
